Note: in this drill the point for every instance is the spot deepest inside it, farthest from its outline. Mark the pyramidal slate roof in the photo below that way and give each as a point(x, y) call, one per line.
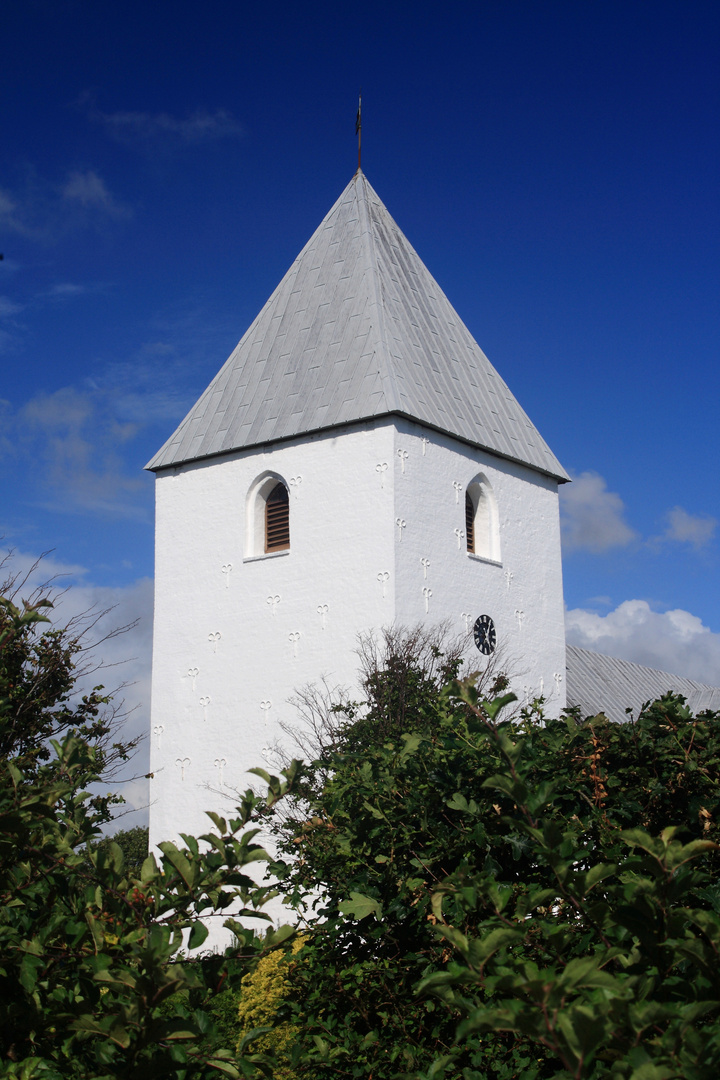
point(357, 329)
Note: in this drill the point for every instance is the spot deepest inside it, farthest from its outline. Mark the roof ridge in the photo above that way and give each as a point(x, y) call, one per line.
point(386, 371)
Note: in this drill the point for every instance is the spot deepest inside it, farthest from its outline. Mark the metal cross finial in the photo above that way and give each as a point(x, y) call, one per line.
point(358, 125)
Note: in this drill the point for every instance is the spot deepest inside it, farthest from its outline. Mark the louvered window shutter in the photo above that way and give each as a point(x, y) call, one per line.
point(277, 519)
point(469, 522)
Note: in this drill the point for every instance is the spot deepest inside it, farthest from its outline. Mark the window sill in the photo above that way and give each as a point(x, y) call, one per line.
point(267, 555)
point(483, 559)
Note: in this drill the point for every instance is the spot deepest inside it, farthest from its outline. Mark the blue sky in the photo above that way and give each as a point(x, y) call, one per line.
point(554, 164)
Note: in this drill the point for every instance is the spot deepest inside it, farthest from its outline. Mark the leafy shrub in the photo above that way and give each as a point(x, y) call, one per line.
point(263, 993)
point(417, 846)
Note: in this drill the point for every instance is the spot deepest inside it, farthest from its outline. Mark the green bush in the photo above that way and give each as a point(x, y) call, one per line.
point(101, 969)
point(419, 847)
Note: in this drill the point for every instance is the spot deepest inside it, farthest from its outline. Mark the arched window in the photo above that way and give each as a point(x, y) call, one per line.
point(267, 517)
point(481, 520)
point(469, 522)
point(277, 519)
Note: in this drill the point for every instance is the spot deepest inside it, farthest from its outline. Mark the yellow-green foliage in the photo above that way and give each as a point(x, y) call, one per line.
point(263, 992)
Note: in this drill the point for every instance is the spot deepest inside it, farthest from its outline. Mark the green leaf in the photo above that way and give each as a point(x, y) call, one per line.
point(459, 802)
point(198, 934)
point(225, 1067)
point(186, 870)
point(360, 906)
point(148, 870)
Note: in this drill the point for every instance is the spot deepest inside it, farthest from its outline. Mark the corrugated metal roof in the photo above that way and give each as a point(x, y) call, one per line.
point(357, 329)
point(605, 684)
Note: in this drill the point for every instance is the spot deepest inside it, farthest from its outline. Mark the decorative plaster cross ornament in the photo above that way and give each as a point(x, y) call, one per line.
point(401, 524)
point(265, 705)
point(293, 638)
point(383, 577)
point(558, 679)
point(220, 763)
point(192, 674)
point(458, 488)
point(403, 455)
point(424, 442)
point(425, 563)
point(508, 579)
point(381, 468)
point(273, 601)
point(213, 639)
point(427, 593)
point(296, 481)
point(182, 763)
point(204, 701)
point(322, 612)
point(520, 616)
point(227, 570)
point(460, 534)
point(526, 692)
point(542, 686)
point(265, 754)
point(467, 617)
point(157, 732)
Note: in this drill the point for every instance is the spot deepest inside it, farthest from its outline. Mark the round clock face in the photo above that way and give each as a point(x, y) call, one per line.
point(484, 632)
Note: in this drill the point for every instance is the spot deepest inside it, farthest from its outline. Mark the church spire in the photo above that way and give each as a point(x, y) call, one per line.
point(357, 329)
point(358, 129)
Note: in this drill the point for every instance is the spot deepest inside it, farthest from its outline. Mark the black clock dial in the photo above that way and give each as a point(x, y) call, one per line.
point(484, 632)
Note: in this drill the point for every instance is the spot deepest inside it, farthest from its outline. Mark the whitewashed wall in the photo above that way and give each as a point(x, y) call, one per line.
point(521, 591)
point(217, 700)
point(234, 637)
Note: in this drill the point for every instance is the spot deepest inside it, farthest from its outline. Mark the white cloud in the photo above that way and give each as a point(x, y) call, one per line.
point(44, 211)
point(121, 662)
point(74, 440)
point(9, 307)
point(11, 215)
point(64, 289)
point(90, 191)
point(591, 517)
point(81, 448)
point(674, 641)
point(684, 528)
point(200, 126)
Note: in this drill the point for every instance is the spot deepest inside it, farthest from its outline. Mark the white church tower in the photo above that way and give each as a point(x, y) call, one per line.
point(356, 463)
